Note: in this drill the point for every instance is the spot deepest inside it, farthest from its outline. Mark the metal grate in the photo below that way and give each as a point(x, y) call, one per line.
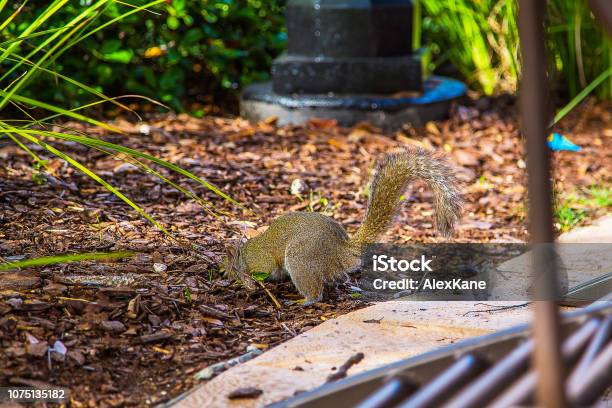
point(490, 371)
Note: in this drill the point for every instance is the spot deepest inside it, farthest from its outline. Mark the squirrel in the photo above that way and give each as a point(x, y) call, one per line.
point(314, 249)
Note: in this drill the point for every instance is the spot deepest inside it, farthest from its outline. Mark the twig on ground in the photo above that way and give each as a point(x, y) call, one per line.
point(274, 300)
point(289, 330)
point(496, 308)
point(342, 371)
point(207, 310)
point(210, 371)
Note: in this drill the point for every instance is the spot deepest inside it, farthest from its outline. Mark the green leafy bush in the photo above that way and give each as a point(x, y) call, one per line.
point(179, 50)
point(481, 40)
point(204, 50)
point(32, 54)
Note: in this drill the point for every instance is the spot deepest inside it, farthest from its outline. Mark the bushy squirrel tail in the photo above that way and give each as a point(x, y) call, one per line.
point(393, 173)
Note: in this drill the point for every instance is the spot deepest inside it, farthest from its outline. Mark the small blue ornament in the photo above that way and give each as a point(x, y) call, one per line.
point(558, 142)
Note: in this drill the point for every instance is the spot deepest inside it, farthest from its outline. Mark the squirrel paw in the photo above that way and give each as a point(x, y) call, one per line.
point(309, 302)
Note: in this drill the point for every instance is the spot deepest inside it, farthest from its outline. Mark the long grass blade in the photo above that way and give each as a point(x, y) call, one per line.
point(54, 39)
point(135, 153)
point(57, 259)
point(28, 76)
point(580, 97)
point(91, 174)
point(149, 170)
point(52, 44)
point(29, 37)
point(114, 20)
point(53, 108)
point(24, 147)
point(89, 105)
point(33, 26)
point(12, 16)
point(81, 85)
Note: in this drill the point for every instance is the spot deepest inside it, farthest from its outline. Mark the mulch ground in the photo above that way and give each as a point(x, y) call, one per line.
point(136, 330)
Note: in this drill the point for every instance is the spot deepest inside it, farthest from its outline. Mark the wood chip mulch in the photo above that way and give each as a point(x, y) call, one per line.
point(133, 332)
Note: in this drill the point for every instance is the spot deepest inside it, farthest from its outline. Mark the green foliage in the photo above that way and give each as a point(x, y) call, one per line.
point(260, 276)
point(204, 50)
point(572, 210)
point(580, 49)
point(568, 217)
point(481, 40)
point(177, 49)
point(187, 295)
point(600, 197)
point(30, 54)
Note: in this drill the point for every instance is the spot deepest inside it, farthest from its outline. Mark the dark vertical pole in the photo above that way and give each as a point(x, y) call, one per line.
point(603, 13)
point(534, 115)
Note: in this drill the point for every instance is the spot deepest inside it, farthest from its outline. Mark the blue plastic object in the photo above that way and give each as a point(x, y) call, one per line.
point(558, 142)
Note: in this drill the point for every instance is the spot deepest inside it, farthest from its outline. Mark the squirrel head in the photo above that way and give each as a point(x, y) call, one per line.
point(234, 264)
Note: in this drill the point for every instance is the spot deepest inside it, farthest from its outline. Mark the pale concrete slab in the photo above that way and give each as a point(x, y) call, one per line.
point(588, 258)
point(599, 232)
point(406, 329)
point(581, 263)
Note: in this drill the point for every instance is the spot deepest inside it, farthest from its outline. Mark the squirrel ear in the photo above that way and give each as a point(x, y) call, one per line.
point(232, 252)
point(228, 261)
point(231, 255)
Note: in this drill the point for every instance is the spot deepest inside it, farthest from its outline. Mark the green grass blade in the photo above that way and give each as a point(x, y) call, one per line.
point(81, 85)
point(52, 108)
point(73, 24)
point(24, 147)
point(89, 173)
point(416, 24)
point(580, 97)
point(28, 37)
point(12, 16)
point(76, 23)
point(28, 76)
point(148, 170)
point(51, 260)
point(33, 26)
point(114, 20)
point(135, 153)
point(89, 105)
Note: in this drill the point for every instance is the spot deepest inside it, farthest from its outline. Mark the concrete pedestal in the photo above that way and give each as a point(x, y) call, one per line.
point(350, 60)
point(259, 102)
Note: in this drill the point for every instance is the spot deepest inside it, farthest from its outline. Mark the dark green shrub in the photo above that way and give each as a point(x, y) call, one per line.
point(202, 51)
point(194, 49)
point(481, 40)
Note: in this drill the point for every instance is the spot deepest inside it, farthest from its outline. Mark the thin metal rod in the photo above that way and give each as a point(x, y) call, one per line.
point(534, 113)
point(599, 341)
point(447, 383)
point(390, 394)
point(594, 381)
point(521, 392)
point(494, 380)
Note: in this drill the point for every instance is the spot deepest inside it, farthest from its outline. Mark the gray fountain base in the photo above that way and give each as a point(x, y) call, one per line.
point(259, 102)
